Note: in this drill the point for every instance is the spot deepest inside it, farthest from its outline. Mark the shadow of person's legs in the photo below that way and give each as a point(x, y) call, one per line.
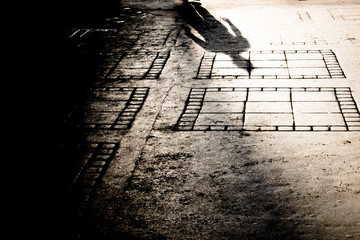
point(215, 35)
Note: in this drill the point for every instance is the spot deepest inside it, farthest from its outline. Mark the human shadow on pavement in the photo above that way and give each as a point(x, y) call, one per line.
point(215, 36)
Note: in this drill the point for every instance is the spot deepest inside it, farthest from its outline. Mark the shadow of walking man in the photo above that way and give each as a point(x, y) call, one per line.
point(215, 36)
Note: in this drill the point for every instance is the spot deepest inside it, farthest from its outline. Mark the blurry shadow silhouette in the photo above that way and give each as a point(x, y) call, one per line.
point(216, 36)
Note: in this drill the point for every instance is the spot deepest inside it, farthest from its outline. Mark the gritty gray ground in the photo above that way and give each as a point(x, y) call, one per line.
point(138, 173)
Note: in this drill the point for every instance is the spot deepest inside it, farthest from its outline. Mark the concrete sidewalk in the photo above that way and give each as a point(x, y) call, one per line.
point(216, 121)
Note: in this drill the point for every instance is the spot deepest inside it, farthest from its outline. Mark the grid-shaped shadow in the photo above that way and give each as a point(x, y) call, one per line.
point(344, 15)
point(93, 160)
point(126, 45)
point(272, 64)
point(270, 109)
point(110, 108)
point(138, 65)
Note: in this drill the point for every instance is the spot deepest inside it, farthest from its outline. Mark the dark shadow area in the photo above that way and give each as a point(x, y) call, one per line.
point(49, 74)
point(258, 200)
point(215, 35)
point(54, 70)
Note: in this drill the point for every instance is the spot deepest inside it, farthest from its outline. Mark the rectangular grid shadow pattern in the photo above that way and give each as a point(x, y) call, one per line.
point(94, 159)
point(272, 64)
point(270, 109)
point(344, 15)
point(138, 65)
point(111, 108)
